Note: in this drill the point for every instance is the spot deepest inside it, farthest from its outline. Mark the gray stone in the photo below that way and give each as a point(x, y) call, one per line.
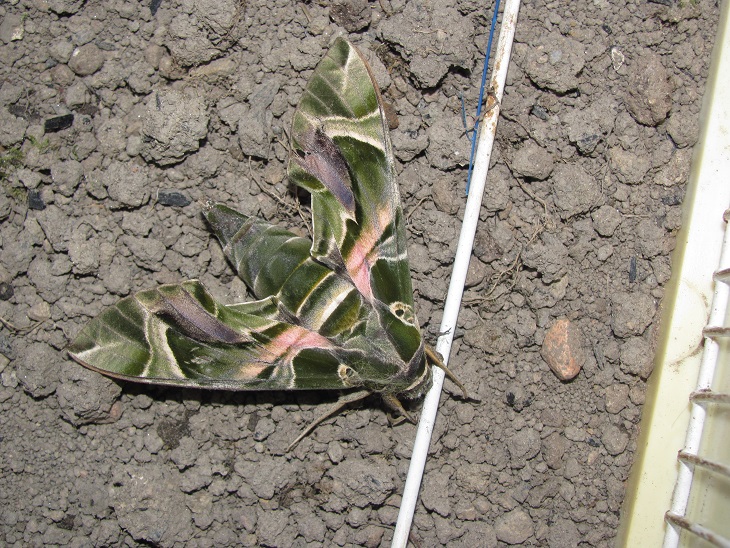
point(498, 198)
point(148, 252)
point(254, 126)
point(631, 313)
point(523, 446)
point(84, 145)
point(311, 528)
point(37, 369)
point(67, 175)
point(86, 60)
point(85, 397)
point(175, 124)
point(586, 127)
point(17, 251)
point(198, 477)
point(56, 226)
point(39, 312)
point(629, 167)
point(83, 250)
point(6, 205)
point(65, 7)
point(76, 95)
point(10, 93)
point(430, 54)
point(575, 190)
point(684, 128)
point(363, 482)
point(553, 448)
point(138, 223)
point(486, 247)
point(12, 129)
point(564, 533)
point(150, 506)
point(409, 140)
point(548, 256)
point(637, 357)
point(614, 438)
point(676, 171)
point(353, 15)
point(204, 28)
point(649, 90)
point(617, 397)
point(11, 28)
point(533, 161)
point(117, 276)
point(606, 220)
point(651, 239)
point(127, 184)
point(185, 454)
point(447, 150)
point(62, 75)
point(435, 493)
point(264, 428)
point(49, 286)
point(445, 196)
point(554, 62)
point(479, 533)
point(61, 49)
point(28, 177)
point(112, 136)
point(266, 477)
point(514, 527)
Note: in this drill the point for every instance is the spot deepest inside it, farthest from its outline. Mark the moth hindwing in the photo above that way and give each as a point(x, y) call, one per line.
point(332, 313)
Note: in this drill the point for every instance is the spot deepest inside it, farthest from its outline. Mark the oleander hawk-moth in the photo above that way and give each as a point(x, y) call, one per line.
point(334, 312)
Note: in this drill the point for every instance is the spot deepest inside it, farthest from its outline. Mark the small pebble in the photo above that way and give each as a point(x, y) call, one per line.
point(40, 311)
point(86, 60)
point(57, 123)
point(6, 291)
point(617, 397)
point(172, 198)
point(514, 527)
point(35, 201)
point(563, 349)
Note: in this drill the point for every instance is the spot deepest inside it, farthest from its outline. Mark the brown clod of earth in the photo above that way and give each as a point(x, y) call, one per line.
point(563, 349)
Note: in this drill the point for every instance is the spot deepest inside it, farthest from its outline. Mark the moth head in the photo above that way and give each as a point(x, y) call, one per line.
point(420, 386)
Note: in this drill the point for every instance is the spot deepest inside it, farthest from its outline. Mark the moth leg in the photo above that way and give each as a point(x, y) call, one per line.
point(433, 356)
point(330, 410)
point(395, 405)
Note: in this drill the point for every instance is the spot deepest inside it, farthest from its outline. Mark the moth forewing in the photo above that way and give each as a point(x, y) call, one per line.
point(335, 312)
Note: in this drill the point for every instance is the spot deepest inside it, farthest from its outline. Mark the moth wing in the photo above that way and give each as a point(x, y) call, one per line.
point(343, 156)
point(178, 334)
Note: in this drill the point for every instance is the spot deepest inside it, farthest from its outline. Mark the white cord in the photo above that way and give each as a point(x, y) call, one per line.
point(458, 276)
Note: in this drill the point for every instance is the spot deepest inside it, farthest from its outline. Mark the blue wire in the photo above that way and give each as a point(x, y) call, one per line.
point(481, 95)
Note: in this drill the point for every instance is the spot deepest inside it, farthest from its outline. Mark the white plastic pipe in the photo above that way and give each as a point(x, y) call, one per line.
point(458, 276)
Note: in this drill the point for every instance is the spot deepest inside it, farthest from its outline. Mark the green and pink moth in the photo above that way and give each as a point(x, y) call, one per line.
point(335, 312)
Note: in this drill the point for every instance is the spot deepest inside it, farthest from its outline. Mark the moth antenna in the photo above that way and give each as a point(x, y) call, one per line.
point(432, 355)
point(329, 410)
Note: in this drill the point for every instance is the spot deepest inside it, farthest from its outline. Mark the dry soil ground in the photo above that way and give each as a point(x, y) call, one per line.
point(101, 196)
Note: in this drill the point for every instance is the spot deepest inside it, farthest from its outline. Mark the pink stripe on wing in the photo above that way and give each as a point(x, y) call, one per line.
point(295, 339)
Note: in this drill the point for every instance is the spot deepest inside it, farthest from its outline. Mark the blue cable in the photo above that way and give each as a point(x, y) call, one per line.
point(473, 137)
